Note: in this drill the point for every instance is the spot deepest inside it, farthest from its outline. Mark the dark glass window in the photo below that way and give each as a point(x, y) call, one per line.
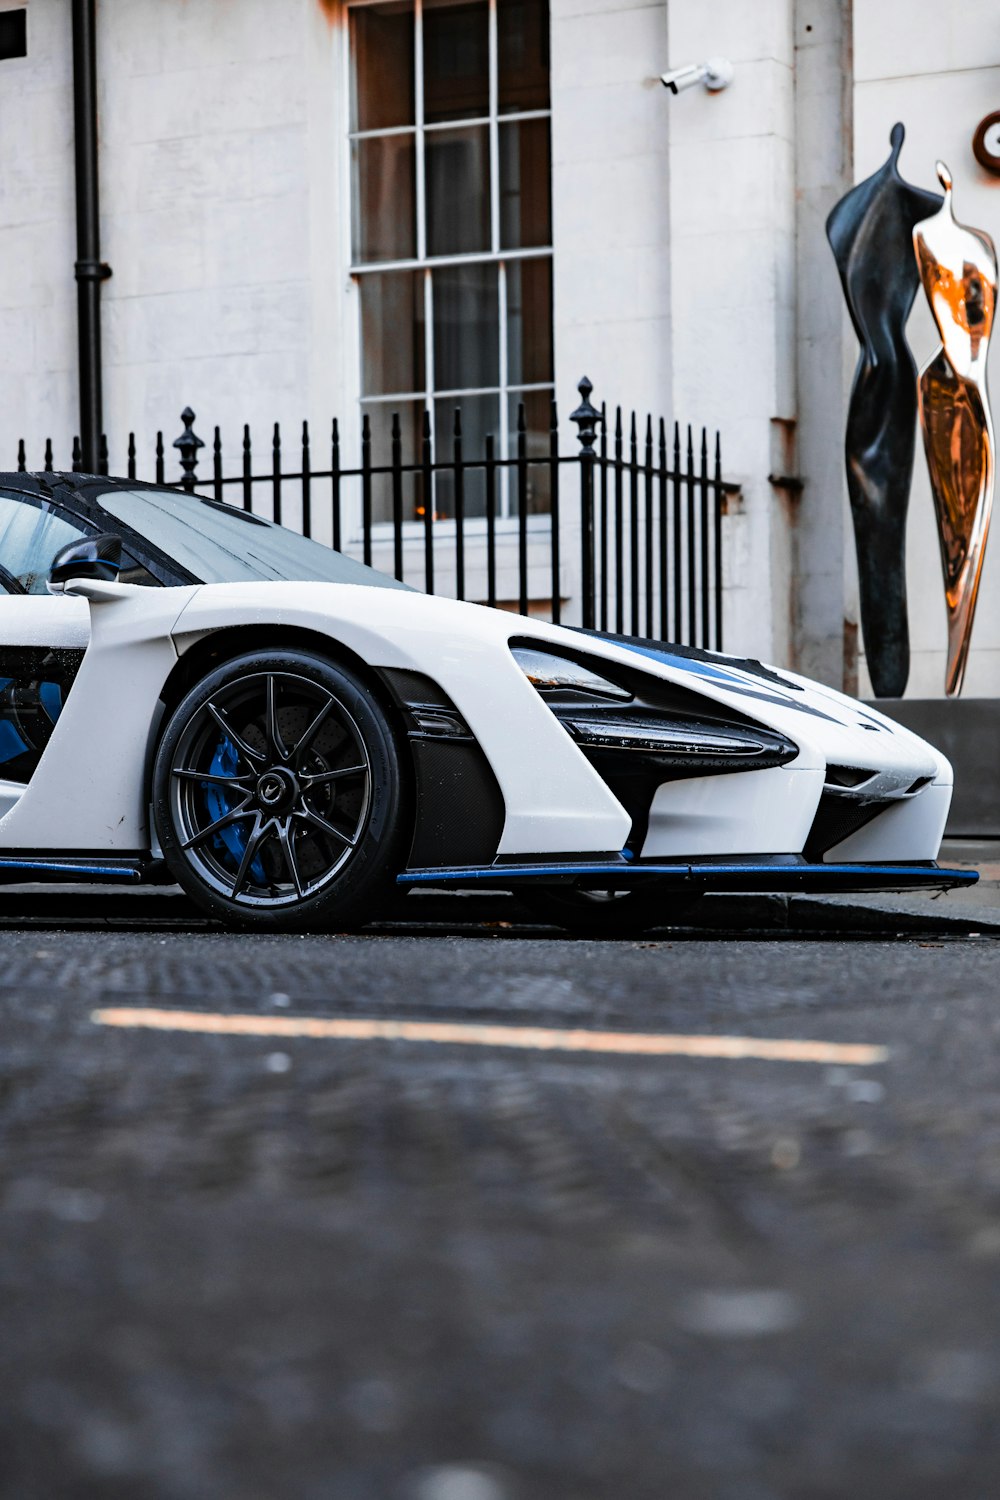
point(30, 536)
point(13, 34)
point(452, 231)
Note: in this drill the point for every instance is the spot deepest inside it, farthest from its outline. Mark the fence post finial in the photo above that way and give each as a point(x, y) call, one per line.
point(188, 444)
point(586, 418)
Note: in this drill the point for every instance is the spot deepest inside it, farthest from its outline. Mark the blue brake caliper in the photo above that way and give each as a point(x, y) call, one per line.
point(232, 838)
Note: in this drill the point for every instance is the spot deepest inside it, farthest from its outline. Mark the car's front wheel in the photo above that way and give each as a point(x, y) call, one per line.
point(278, 794)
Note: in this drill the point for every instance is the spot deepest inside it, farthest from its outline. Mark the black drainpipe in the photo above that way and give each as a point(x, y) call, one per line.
point(90, 269)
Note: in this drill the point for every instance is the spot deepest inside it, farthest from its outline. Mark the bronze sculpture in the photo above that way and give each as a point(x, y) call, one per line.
point(958, 268)
point(870, 232)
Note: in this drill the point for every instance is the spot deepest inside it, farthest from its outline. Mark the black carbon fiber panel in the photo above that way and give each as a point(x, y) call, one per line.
point(459, 814)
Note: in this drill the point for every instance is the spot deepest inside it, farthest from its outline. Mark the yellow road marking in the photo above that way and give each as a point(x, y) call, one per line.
point(450, 1033)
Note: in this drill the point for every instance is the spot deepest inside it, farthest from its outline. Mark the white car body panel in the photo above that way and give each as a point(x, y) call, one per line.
point(555, 801)
point(702, 815)
point(90, 789)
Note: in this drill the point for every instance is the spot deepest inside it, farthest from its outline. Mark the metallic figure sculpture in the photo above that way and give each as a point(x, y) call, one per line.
point(958, 267)
point(870, 232)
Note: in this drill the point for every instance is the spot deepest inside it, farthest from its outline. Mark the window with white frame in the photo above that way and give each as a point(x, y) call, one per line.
point(452, 230)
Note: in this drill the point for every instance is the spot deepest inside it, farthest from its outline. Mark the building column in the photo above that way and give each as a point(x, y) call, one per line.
point(825, 589)
point(732, 283)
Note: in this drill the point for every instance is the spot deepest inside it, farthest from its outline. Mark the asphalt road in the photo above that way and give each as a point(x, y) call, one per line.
point(241, 1266)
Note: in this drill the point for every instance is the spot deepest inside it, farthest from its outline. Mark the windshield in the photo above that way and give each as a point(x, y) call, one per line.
point(216, 543)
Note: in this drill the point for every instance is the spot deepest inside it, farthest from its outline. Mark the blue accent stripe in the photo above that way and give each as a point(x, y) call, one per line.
point(114, 872)
point(916, 874)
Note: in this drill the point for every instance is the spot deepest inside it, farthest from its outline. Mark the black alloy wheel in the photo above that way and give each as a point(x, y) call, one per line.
point(608, 914)
point(278, 794)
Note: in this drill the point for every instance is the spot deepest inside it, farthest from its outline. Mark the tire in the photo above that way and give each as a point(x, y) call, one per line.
point(607, 914)
point(279, 795)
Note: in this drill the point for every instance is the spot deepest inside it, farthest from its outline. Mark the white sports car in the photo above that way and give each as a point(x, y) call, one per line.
point(190, 693)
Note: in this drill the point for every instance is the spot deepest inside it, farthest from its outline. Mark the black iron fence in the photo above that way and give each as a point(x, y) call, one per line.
point(633, 517)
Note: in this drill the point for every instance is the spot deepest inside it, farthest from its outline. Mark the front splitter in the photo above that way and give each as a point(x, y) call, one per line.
point(708, 875)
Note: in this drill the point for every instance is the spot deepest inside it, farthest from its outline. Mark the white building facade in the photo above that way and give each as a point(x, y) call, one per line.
point(314, 208)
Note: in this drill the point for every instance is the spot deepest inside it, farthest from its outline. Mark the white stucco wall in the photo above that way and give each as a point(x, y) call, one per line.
point(936, 68)
point(610, 166)
point(37, 238)
point(222, 216)
point(221, 167)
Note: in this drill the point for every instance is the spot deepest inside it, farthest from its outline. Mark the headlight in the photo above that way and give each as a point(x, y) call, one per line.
point(558, 674)
point(672, 739)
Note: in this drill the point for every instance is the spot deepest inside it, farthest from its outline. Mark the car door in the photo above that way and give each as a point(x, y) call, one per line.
point(42, 638)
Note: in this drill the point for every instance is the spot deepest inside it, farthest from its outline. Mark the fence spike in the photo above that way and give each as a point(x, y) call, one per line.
point(276, 475)
point(306, 508)
point(22, 458)
point(458, 490)
point(247, 469)
point(187, 445)
point(555, 558)
point(335, 480)
point(366, 489)
point(131, 455)
point(396, 454)
point(48, 455)
point(586, 417)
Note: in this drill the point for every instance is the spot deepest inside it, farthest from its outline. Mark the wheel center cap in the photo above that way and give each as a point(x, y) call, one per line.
point(276, 789)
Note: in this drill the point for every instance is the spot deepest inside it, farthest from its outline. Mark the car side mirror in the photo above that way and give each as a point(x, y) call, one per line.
point(93, 558)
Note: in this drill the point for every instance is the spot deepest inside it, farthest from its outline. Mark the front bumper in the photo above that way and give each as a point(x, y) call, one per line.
point(786, 873)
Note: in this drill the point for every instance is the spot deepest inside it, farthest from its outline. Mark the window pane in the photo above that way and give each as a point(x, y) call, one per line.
point(30, 537)
point(383, 221)
point(458, 190)
point(525, 197)
point(529, 321)
point(382, 76)
point(380, 414)
point(480, 416)
point(392, 332)
point(523, 47)
point(466, 331)
point(456, 60)
point(537, 418)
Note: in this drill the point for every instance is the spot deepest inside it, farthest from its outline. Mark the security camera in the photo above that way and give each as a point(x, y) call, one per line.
point(715, 74)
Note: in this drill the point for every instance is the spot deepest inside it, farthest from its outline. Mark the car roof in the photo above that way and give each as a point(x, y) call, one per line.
point(77, 492)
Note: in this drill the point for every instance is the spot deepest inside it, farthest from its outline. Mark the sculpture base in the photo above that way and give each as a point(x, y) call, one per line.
point(967, 730)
